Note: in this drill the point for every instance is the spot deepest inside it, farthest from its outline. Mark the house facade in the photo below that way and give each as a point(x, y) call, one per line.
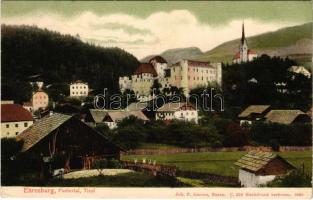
point(244, 54)
point(186, 74)
point(178, 111)
point(14, 120)
point(79, 89)
point(257, 168)
point(40, 99)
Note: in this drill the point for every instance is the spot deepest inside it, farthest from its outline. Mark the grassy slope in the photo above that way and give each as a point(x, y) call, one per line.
point(219, 162)
point(268, 41)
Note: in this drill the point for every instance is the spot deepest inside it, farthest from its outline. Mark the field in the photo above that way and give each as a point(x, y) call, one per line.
point(220, 163)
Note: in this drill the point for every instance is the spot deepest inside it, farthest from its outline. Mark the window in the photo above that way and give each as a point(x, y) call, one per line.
point(188, 77)
point(16, 125)
point(16, 133)
point(7, 125)
point(202, 77)
point(194, 78)
point(25, 124)
point(8, 133)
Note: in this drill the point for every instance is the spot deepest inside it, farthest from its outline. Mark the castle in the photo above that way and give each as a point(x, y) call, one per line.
point(186, 74)
point(245, 54)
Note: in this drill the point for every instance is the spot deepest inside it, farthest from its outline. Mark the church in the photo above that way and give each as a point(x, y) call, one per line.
point(245, 54)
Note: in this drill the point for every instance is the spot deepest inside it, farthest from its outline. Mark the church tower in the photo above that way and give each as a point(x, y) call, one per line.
point(243, 49)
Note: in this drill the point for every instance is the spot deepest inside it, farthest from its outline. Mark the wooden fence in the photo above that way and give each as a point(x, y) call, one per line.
point(211, 149)
point(153, 169)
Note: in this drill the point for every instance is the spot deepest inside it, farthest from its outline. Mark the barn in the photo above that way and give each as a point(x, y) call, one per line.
point(75, 144)
point(256, 168)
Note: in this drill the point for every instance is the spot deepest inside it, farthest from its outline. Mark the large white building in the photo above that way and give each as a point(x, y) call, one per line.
point(14, 119)
point(178, 111)
point(244, 54)
point(186, 74)
point(79, 89)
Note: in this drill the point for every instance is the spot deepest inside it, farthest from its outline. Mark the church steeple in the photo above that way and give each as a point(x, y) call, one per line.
point(243, 33)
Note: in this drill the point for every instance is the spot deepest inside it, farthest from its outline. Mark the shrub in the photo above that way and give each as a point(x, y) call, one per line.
point(100, 165)
point(114, 164)
point(295, 178)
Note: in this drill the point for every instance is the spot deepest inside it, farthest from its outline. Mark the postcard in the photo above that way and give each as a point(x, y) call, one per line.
point(156, 99)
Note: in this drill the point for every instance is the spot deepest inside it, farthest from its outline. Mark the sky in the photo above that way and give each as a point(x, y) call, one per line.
point(146, 28)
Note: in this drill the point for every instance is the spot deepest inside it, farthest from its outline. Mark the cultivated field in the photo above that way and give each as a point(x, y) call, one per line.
point(220, 163)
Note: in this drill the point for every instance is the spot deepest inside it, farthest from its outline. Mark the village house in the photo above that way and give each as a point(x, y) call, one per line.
point(14, 119)
point(112, 118)
point(253, 113)
point(258, 168)
point(245, 54)
point(79, 89)
point(95, 116)
point(179, 111)
point(64, 136)
point(40, 100)
point(28, 106)
point(300, 70)
point(186, 74)
point(287, 117)
point(142, 106)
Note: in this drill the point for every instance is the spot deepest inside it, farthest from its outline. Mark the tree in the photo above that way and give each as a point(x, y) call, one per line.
point(156, 87)
point(100, 165)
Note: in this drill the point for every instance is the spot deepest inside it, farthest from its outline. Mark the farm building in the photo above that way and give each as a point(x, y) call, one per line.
point(256, 168)
point(179, 111)
point(65, 136)
point(113, 117)
point(253, 113)
point(287, 117)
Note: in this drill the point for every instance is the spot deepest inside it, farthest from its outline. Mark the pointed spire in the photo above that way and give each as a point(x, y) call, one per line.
point(243, 33)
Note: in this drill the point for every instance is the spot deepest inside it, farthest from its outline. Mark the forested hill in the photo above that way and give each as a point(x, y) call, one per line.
point(59, 59)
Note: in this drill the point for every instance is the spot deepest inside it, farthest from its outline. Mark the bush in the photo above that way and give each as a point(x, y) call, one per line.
point(100, 165)
point(114, 164)
point(295, 178)
point(293, 135)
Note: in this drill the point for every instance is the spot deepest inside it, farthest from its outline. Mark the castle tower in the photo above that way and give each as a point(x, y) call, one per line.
point(243, 49)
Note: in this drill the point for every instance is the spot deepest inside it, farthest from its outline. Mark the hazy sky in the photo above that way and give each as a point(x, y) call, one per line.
point(145, 28)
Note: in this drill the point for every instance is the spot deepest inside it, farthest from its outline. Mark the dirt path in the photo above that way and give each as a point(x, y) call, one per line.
point(94, 172)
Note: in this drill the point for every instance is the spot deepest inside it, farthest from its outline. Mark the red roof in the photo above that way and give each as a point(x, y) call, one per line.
point(14, 113)
point(158, 59)
point(145, 68)
point(193, 63)
point(250, 52)
point(237, 55)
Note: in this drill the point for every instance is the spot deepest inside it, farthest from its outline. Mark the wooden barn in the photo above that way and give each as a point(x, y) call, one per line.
point(253, 113)
point(256, 168)
point(71, 141)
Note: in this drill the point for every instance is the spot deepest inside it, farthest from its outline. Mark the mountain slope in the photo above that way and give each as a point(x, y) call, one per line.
point(174, 55)
point(294, 42)
point(59, 59)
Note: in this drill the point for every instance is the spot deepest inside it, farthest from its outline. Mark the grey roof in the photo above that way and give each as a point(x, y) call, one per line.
point(283, 116)
point(138, 106)
point(119, 115)
point(256, 109)
point(171, 107)
point(98, 114)
point(255, 160)
point(40, 129)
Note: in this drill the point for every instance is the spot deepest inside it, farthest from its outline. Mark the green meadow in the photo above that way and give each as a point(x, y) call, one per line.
point(221, 163)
